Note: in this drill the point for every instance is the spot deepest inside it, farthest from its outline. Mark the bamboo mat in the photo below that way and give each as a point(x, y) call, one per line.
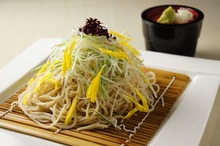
point(17, 121)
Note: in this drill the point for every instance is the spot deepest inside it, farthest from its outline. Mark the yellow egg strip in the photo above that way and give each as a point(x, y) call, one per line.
point(30, 81)
point(64, 62)
point(70, 112)
point(130, 113)
point(94, 86)
point(67, 57)
point(119, 54)
point(69, 54)
point(139, 107)
point(130, 48)
point(55, 83)
point(119, 35)
point(44, 67)
point(25, 100)
point(147, 82)
point(143, 99)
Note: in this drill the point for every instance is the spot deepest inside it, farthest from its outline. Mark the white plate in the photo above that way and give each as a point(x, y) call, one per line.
point(184, 125)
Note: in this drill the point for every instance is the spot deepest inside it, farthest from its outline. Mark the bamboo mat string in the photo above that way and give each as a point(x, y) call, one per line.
point(57, 131)
point(13, 105)
point(142, 121)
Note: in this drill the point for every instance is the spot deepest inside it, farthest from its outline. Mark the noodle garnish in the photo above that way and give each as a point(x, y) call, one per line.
point(139, 107)
point(94, 86)
point(120, 36)
point(70, 112)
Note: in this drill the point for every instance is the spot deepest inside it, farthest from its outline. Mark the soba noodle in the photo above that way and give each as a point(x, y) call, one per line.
point(89, 81)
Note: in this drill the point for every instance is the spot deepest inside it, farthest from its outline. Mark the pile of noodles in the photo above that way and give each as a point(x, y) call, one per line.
point(89, 81)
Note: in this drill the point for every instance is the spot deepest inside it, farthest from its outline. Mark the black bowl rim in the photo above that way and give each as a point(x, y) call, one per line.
point(147, 20)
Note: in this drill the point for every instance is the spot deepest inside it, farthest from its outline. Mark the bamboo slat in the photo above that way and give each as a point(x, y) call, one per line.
point(19, 122)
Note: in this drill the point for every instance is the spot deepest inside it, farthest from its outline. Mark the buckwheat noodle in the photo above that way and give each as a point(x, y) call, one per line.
point(89, 81)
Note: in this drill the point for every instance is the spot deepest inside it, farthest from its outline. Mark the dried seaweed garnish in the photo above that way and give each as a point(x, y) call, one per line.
point(94, 27)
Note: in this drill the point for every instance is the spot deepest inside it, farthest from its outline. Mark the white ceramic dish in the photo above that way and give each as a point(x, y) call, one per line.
point(184, 125)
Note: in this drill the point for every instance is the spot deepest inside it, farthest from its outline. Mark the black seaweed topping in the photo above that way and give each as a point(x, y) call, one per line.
point(94, 27)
